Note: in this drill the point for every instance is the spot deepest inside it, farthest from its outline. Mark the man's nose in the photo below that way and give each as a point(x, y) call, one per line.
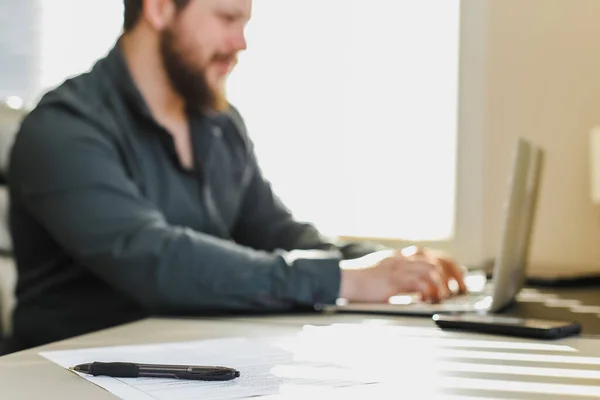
point(238, 41)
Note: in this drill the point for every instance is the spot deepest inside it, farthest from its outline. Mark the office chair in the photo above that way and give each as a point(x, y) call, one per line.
point(10, 121)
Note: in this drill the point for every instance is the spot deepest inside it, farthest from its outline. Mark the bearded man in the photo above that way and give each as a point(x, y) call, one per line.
point(135, 191)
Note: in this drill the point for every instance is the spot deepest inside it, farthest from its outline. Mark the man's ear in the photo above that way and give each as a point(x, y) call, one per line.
point(158, 13)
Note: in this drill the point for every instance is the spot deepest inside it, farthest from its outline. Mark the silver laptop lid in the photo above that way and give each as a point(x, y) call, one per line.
point(519, 210)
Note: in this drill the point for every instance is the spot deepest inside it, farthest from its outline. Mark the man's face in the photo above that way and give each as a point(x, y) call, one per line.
point(199, 49)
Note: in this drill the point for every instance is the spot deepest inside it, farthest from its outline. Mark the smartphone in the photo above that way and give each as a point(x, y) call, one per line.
point(499, 325)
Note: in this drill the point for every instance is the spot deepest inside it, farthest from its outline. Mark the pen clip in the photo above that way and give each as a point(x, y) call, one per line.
point(207, 376)
point(208, 373)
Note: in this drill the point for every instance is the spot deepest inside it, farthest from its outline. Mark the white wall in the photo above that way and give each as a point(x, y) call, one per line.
point(543, 82)
point(9, 122)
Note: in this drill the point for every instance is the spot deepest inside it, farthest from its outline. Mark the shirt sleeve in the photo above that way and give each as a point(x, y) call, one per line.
point(69, 176)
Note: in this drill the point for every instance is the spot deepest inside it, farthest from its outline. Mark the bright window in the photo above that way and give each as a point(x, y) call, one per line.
point(353, 106)
point(74, 34)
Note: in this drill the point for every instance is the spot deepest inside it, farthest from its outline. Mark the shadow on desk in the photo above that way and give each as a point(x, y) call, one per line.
point(13, 344)
point(582, 278)
point(581, 304)
point(240, 313)
point(571, 296)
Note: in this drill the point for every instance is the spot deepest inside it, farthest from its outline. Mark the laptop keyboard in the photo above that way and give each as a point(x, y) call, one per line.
point(464, 299)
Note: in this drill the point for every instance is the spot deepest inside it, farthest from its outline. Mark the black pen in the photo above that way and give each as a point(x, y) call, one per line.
point(131, 370)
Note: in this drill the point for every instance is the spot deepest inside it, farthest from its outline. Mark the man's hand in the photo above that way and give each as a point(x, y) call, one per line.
point(378, 276)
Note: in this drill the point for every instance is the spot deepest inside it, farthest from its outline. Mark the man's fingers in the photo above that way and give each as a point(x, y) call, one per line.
point(425, 288)
point(427, 274)
point(451, 270)
point(435, 279)
point(441, 284)
point(437, 273)
point(455, 272)
point(432, 286)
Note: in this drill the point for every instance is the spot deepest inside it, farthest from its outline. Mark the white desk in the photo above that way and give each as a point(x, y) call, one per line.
point(26, 375)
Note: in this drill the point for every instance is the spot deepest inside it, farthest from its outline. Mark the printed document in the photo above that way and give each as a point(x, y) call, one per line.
point(264, 370)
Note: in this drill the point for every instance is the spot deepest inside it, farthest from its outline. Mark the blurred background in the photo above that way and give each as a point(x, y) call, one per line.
point(400, 116)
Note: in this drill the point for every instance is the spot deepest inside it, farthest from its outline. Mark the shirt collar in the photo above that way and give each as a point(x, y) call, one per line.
point(125, 84)
point(119, 70)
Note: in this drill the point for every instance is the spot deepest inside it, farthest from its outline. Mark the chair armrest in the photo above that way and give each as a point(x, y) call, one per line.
point(8, 280)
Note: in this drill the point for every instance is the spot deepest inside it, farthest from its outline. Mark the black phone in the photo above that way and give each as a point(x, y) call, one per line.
point(501, 325)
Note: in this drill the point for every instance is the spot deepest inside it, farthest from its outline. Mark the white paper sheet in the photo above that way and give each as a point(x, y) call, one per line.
point(265, 370)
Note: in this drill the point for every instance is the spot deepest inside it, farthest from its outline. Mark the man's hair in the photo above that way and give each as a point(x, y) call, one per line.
point(133, 10)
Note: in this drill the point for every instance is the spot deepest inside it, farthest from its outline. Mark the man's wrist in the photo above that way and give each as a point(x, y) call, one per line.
point(348, 280)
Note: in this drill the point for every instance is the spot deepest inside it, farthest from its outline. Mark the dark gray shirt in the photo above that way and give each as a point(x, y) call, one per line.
point(108, 227)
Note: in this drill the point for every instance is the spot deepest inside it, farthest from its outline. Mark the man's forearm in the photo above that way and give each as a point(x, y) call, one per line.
point(167, 268)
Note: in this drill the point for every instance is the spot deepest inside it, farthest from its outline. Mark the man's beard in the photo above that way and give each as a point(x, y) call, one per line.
point(189, 80)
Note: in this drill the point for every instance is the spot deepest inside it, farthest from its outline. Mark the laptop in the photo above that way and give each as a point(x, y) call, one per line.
point(509, 270)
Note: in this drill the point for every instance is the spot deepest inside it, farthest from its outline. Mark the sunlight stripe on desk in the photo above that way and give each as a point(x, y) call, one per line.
point(585, 309)
point(494, 344)
point(519, 387)
point(558, 303)
point(517, 370)
point(482, 355)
